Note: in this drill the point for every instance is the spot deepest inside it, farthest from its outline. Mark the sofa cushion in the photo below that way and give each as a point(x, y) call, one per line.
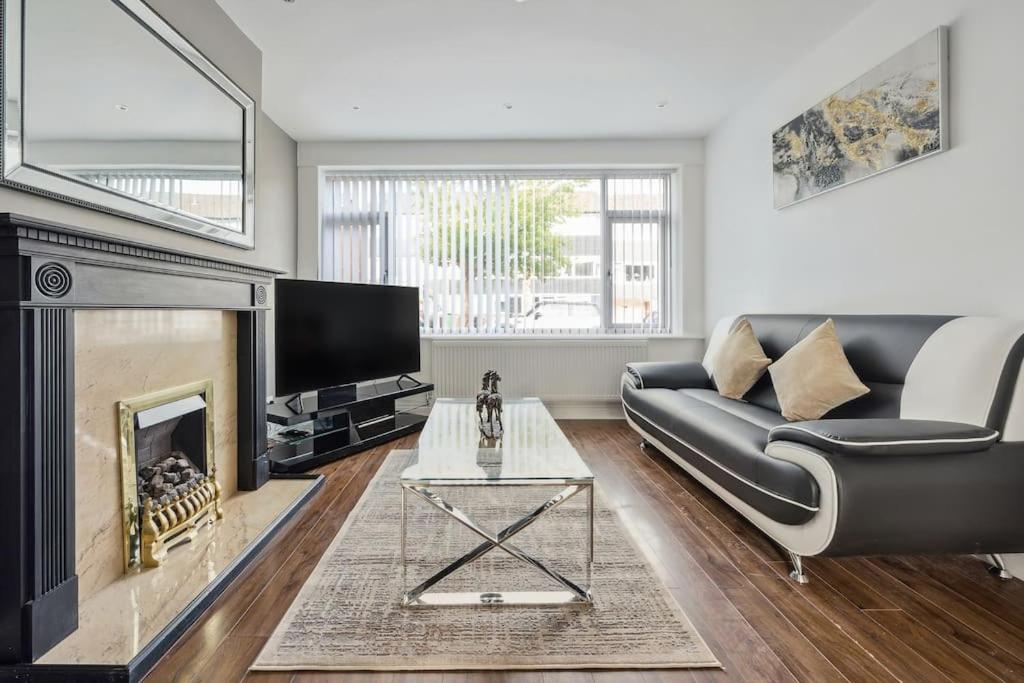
point(887, 436)
point(740, 361)
point(814, 376)
point(726, 443)
point(762, 417)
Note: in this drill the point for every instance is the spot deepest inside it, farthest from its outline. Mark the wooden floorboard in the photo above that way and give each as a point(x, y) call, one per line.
point(698, 570)
point(860, 619)
point(815, 608)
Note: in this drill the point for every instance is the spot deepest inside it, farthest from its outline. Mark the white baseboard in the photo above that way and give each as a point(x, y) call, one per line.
point(585, 410)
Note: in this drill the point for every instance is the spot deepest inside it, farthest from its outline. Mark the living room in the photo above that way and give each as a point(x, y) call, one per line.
point(511, 340)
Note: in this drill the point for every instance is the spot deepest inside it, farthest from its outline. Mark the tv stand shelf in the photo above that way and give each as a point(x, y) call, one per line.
point(300, 438)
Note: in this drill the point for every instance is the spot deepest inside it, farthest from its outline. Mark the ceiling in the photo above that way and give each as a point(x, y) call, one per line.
point(118, 82)
point(446, 69)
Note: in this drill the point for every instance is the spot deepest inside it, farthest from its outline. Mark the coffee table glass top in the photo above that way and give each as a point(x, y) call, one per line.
point(532, 448)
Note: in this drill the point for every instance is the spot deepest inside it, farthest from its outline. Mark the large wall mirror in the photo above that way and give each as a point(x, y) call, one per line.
point(106, 105)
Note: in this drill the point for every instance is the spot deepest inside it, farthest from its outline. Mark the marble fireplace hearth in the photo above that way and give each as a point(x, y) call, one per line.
point(119, 621)
point(87, 321)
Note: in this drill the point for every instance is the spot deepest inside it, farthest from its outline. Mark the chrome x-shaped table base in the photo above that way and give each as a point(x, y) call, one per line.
point(573, 593)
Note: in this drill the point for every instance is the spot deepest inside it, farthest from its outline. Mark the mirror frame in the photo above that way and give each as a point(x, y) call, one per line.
point(41, 181)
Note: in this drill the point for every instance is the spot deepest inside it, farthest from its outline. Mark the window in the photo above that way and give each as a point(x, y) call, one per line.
point(638, 273)
point(586, 268)
point(508, 253)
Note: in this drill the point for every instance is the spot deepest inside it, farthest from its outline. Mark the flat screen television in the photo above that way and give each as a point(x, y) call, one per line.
point(330, 333)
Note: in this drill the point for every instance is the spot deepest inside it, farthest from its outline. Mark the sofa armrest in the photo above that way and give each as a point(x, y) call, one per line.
point(668, 375)
point(887, 436)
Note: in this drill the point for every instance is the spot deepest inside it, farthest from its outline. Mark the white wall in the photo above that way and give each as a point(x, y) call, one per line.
point(276, 212)
point(943, 235)
point(686, 156)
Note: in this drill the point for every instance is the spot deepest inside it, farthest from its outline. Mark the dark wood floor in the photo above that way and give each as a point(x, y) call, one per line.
point(860, 619)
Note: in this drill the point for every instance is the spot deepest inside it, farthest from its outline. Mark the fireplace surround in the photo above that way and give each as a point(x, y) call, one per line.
point(52, 275)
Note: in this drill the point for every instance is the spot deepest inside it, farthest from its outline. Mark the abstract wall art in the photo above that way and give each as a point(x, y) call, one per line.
point(892, 115)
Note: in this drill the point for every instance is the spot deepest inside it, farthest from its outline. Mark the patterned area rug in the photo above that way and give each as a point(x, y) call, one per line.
point(348, 615)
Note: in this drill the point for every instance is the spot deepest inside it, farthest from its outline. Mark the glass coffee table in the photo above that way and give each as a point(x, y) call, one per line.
point(533, 451)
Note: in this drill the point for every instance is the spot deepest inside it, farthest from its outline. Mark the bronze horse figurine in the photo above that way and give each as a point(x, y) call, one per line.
point(489, 399)
point(494, 403)
point(481, 397)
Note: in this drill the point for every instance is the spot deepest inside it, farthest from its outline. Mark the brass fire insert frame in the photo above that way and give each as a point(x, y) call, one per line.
point(151, 531)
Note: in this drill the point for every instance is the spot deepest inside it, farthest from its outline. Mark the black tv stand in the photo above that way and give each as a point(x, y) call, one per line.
point(302, 434)
point(329, 397)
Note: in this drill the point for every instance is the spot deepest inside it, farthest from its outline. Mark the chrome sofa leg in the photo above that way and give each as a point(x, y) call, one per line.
point(998, 568)
point(643, 444)
point(797, 573)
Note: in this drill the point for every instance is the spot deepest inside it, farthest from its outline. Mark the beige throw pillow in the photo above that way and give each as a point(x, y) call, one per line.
point(814, 376)
point(740, 362)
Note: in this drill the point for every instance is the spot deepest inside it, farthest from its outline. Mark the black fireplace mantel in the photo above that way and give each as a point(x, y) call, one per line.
point(47, 271)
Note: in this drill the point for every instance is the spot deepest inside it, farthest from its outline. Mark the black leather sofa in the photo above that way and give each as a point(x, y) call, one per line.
point(930, 461)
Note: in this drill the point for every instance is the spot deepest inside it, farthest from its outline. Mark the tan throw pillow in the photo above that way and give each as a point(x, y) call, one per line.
point(814, 376)
point(740, 362)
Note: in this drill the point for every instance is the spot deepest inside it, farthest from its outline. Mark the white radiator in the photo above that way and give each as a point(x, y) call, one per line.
point(553, 370)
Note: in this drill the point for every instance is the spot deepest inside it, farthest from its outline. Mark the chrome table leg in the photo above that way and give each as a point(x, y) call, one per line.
point(590, 534)
point(590, 522)
point(403, 536)
point(501, 540)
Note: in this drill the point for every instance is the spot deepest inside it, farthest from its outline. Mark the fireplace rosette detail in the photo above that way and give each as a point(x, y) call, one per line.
point(168, 471)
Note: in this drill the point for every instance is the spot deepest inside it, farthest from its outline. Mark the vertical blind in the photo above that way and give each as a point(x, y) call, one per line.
point(508, 253)
point(213, 195)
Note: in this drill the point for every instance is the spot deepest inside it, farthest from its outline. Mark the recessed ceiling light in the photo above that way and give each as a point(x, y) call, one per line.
point(507, 105)
point(121, 107)
point(661, 105)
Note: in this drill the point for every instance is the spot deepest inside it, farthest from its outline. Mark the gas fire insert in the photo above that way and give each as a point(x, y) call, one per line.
point(168, 471)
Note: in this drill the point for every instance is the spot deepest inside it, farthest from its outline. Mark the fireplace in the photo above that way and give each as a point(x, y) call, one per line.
point(126, 319)
point(168, 471)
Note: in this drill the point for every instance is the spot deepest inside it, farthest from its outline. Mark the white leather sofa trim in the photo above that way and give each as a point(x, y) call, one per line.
point(955, 374)
point(814, 536)
point(720, 466)
point(872, 444)
point(803, 539)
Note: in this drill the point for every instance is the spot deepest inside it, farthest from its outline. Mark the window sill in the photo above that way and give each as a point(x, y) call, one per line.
point(543, 338)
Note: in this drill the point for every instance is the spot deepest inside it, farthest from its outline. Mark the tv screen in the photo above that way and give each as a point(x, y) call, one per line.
point(330, 333)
